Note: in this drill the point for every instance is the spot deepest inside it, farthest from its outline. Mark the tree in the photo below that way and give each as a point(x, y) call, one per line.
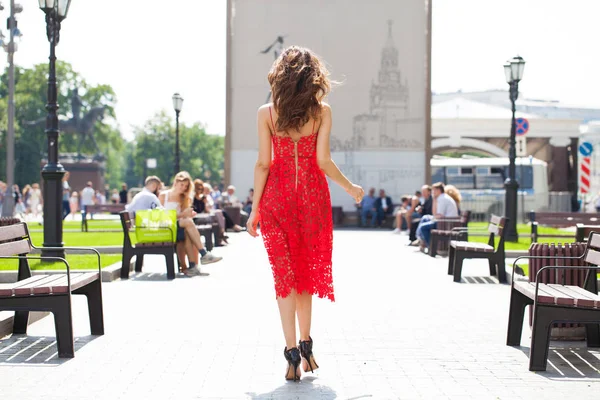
point(30, 103)
point(201, 154)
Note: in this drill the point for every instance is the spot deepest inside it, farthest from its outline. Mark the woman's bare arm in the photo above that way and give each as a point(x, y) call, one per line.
point(324, 159)
point(261, 169)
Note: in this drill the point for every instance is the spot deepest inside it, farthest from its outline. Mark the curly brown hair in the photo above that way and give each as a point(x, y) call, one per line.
point(299, 82)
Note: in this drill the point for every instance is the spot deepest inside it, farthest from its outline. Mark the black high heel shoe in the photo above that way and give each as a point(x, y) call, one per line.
point(308, 360)
point(293, 358)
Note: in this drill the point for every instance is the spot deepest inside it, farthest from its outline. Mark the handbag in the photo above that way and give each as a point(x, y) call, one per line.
point(156, 225)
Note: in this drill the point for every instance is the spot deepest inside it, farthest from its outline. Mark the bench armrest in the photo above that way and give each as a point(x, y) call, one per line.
point(60, 259)
point(540, 258)
point(89, 249)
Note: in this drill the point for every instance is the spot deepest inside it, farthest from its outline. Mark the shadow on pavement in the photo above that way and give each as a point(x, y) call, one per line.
point(572, 363)
point(32, 350)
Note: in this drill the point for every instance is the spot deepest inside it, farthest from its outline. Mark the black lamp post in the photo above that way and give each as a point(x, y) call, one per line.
point(53, 171)
point(513, 70)
point(177, 105)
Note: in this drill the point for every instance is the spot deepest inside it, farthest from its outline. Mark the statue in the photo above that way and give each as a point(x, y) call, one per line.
point(77, 125)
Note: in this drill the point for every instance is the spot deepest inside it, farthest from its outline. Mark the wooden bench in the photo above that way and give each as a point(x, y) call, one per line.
point(98, 208)
point(139, 250)
point(559, 220)
point(554, 302)
point(449, 229)
point(208, 227)
point(461, 250)
point(50, 292)
point(583, 232)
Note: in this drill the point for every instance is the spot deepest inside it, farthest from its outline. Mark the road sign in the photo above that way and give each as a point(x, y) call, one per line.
point(522, 126)
point(585, 149)
point(521, 146)
point(584, 174)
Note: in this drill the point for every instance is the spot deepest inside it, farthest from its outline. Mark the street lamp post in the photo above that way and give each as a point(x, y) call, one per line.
point(177, 105)
point(53, 172)
point(10, 47)
point(513, 70)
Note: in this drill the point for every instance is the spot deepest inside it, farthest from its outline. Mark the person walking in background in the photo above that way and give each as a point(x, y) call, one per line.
point(73, 204)
point(114, 197)
point(291, 195)
point(87, 198)
point(123, 194)
point(36, 200)
point(66, 207)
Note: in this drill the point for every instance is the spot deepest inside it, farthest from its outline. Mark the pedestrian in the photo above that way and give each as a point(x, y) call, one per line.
point(66, 204)
point(123, 194)
point(88, 196)
point(291, 195)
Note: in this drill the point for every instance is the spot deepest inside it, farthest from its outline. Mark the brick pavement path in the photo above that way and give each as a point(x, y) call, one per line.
point(218, 337)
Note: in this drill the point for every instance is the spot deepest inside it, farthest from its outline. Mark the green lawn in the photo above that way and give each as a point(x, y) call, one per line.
point(75, 262)
point(524, 231)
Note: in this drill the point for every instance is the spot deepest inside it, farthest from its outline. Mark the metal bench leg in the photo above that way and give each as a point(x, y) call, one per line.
point(451, 256)
point(139, 262)
point(170, 266)
point(93, 292)
point(516, 314)
point(125, 263)
point(20, 322)
point(500, 264)
point(540, 339)
point(63, 324)
point(492, 263)
point(458, 264)
point(592, 334)
point(433, 246)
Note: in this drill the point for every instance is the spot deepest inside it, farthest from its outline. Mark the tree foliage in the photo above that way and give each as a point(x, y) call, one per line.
point(30, 105)
point(200, 154)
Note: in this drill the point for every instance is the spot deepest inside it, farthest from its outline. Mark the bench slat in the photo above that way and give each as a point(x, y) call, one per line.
point(12, 232)
point(584, 298)
point(14, 248)
point(595, 242)
point(528, 289)
point(564, 295)
point(593, 257)
point(29, 288)
point(6, 289)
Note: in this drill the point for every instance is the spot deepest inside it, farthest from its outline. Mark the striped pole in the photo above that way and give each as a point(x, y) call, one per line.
point(584, 175)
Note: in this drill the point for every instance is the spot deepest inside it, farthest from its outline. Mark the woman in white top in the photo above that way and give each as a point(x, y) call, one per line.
point(35, 199)
point(179, 198)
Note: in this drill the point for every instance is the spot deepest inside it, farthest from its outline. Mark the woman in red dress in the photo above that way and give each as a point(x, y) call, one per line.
point(291, 195)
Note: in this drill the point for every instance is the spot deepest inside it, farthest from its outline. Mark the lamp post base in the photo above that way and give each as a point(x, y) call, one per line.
point(512, 188)
point(52, 175)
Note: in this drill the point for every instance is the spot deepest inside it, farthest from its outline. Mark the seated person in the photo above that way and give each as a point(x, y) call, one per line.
point(230, 199)
point(367, 208)
point(400, 213)
point(444, 206)
point(179, 198)
point(384, 206)
point(425, 208)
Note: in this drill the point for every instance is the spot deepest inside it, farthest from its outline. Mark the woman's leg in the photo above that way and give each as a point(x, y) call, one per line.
point(304, 311)
point(191, 232)
point(287, 312)
point(191, 251)
point(221, 220)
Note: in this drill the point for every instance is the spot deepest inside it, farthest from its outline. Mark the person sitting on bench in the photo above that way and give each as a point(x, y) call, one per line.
point(444, 206)
point(426, 208)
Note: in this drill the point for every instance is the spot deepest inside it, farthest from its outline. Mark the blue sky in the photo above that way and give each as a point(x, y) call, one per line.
point(147, 50)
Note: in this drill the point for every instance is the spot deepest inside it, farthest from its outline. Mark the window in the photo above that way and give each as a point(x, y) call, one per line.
point(437, 174)
point(462, 177)
point(490, 178)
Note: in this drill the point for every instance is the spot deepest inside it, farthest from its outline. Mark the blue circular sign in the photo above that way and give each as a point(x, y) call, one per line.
point(522, 126)
point(585, 149)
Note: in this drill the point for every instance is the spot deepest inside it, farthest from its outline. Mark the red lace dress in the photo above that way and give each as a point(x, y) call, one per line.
point(295, 218)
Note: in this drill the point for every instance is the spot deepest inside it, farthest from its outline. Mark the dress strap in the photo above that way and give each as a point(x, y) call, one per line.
point(271, 115)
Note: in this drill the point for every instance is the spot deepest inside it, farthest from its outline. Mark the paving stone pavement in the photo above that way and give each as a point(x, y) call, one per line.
point(400, 329)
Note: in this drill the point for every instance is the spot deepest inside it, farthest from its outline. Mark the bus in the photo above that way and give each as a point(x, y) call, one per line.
point(481, 183)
